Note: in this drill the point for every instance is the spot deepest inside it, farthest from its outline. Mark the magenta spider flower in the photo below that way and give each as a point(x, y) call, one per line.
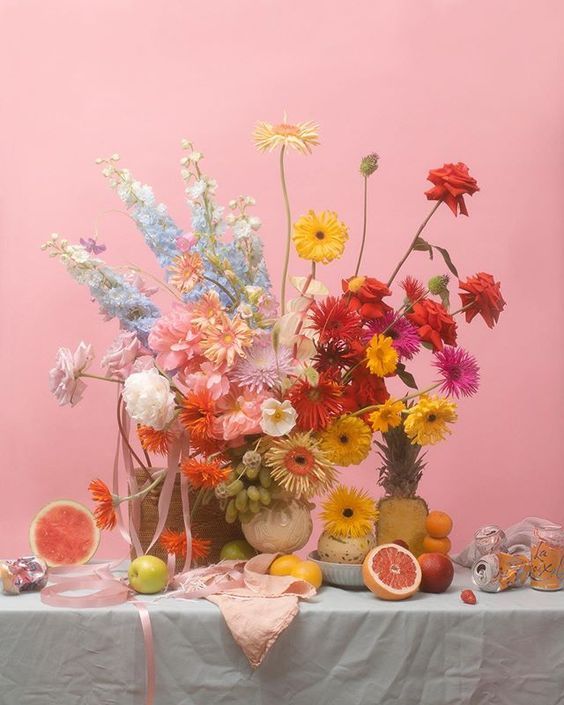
point(406, 340)
point(459, 371)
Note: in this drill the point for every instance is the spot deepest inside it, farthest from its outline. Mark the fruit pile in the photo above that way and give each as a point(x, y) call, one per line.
point(296, 567)
point(247, 489)
point(438, 526)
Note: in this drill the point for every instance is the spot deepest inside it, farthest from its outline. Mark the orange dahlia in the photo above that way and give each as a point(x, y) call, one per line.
point(154, 441)
point(106, 502)
point(198, 418)
point(175, 542)
point(316, 404)
point(204, 473)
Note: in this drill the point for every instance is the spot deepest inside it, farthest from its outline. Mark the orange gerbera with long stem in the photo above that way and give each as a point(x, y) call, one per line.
point(106, 502)
point(176, 543)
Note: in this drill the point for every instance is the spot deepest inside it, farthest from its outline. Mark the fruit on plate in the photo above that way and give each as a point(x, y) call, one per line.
point(391, 572)
point(432, 545)
point(344, 549)
point(64, 532)
point(309, 571)
point(283, 565)
point(148, 575)
point(437, 572)
point(237, 550)
point(438, 524)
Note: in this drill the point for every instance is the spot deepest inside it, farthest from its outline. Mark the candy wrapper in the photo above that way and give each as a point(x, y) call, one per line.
point(23, 575)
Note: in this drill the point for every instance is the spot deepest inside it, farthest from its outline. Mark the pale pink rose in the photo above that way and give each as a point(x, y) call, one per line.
point(64, 378)
point(144, 362)
point(121, 355)
point(175, 339)
point(240, 414)
point(209, 377)
point(185, 242)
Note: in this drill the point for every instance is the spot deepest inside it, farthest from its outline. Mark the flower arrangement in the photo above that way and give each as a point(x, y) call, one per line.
point(256, 402)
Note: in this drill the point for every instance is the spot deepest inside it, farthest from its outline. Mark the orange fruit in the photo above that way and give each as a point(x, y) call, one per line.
point(283, 565)
point(438, 524)
point(309, 571)
point(433, 545)
point(391, 572)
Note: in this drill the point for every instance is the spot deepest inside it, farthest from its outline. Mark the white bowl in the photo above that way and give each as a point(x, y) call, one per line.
point(345, 575)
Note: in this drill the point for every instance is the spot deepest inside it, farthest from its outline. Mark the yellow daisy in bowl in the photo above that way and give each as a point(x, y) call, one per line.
point(426, 422)
point(301, 137)
point(346, 441)
point(381, 356)
point(349, 512)
point(320, 237)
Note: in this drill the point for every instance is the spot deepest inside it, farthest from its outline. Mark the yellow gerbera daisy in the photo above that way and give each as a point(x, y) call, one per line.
point(346, 441)
point(387, 416)
point(381, 356)
point(349, 512)
point(320, 237)
point(301, 137)
point(426, 422)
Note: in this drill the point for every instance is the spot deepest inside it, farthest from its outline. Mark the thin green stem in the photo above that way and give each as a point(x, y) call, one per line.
point(126, 440)
point(412, 245)
point(145, 490)
point(288, 232)
point(220, 286)
point(364, 221)
point(103, 379)
point(464, 308)
point(197, 501)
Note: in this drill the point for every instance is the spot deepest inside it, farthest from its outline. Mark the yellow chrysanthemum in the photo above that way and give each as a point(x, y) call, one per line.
point(349, 512)
point(301, 137)
point(320, 237)
point(426, 422)
point(387, 416)
point(346, 441)
point(381, 356)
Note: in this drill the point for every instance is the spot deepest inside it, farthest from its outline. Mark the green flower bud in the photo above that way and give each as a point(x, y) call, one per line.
point(369, 164)
point(438, 285)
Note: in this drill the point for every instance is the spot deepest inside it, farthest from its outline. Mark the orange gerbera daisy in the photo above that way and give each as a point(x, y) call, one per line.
point(154, 441)
point(198, 418)
point(204, 473)
point(106, 502)
point(175, 542)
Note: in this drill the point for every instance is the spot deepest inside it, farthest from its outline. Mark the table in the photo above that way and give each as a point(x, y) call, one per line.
point(344, 648)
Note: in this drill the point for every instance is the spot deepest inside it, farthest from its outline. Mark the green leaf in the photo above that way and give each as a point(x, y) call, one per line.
point(405, 376)
point(422, 245)
point(447, 259)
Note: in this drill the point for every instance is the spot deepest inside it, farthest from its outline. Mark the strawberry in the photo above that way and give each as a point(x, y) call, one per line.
point(468, 597)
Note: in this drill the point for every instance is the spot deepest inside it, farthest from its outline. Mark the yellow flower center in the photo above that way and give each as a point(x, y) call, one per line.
point(278, 415)
point(355, 284)
point(286, 130)
point(228, 339)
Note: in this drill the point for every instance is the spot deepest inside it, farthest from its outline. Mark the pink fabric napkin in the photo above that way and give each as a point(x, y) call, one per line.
point(257, 607)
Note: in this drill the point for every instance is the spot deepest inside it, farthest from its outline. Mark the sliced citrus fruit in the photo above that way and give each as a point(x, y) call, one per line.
point(284, 565)
point(391, 572)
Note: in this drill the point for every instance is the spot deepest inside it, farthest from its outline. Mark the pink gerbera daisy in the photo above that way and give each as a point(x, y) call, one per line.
point(459, 371)
point(406, 340)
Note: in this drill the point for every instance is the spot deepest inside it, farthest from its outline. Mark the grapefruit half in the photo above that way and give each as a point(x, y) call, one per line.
point(64, 532)
point(391, 572)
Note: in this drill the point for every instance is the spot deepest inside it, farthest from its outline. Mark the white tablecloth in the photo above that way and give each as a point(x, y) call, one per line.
point(344, 648)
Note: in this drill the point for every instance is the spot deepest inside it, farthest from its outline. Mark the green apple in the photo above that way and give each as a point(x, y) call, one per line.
point(148, 574)
point(239, 550)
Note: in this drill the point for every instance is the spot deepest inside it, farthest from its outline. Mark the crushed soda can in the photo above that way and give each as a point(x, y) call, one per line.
point(25, 574)
point(490, 539)
point(499, 571)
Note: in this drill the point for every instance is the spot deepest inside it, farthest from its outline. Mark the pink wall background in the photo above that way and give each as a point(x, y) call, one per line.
point(419, 82)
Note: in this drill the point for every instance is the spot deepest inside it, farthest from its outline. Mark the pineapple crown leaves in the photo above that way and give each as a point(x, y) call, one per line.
point(403, 464)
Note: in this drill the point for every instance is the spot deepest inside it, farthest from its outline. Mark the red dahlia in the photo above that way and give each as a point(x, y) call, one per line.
point(334, 319)
point(451, 183)
point(365, 294)
point(482, 294)
point(434, 323)
point(365, 389)
point(316, 404)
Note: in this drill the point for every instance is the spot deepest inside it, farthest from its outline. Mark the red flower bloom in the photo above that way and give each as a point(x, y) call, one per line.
point(105, 513)
point(334, 357)
point(365, 389)
point(317, 404)
point(483, 295)
point(334, 319)
point(198, 418)
point(414, 289)
point(365, 294)
point(204, 473)
point(452, 182)
point(434, 323)
point(154, 441)
point(175, 542)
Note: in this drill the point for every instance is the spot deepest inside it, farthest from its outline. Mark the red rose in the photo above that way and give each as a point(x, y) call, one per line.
point(451, 183)
point(434, 323)
point(482, 295)
point(365, 295)
point(365, 389)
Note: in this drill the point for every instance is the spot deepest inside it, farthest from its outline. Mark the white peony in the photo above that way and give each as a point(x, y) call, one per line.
point(278, 418)
point(149, 399)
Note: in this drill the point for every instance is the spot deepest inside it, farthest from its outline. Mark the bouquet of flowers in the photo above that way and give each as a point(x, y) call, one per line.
point(257, 404)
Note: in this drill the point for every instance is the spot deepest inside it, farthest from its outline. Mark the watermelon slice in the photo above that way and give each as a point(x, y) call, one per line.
point(64, 532)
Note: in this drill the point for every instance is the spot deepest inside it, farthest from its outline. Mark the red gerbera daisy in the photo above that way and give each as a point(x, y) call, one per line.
point(176, 542)
point(316, 404)
point(482, 294)
point(334, 356)
point(204, 473)
point(334, 319)
point(414, 289)
point(104, 513)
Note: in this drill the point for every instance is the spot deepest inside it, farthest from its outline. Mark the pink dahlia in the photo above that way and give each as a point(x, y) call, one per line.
point(406, 340)
point(175, 339)
point(459, 371)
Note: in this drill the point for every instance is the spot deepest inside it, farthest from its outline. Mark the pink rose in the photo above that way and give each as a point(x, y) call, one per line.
point(240, 414)
point(211, 378)
point(175, 339)
point(64, 378)
point(121, 355)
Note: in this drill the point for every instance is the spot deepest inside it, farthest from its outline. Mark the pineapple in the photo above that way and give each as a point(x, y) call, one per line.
point(402, 512)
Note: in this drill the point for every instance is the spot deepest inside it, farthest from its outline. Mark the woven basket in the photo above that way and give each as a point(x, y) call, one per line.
point(209, 522)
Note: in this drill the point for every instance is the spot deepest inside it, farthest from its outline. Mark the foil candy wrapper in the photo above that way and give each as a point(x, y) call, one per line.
point(25, 574)
point(499, 571)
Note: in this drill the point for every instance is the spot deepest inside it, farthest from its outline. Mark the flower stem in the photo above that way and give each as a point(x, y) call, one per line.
point(220, 286)
point(419, 393)
point(145, 490)
point(413, 242)
point(464, 308)
point(127, 443)
point(364, 220)
point(104, 379)
point(288, 231)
